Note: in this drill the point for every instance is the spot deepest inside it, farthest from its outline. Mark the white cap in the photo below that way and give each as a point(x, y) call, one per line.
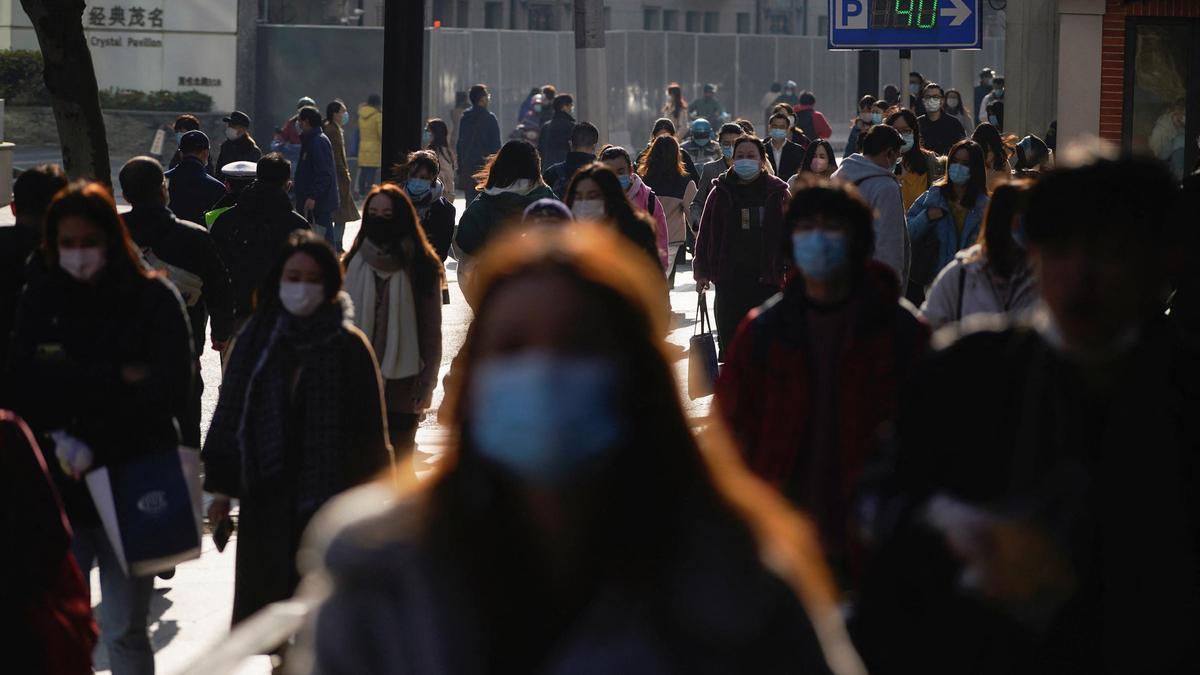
point(240, 170)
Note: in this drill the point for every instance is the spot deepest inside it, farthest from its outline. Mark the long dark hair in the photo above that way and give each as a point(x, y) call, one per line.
point(93, 202)
point(332, 108)
point(471, 513)
point(414, 161)
point(961, 108)
point(915, 160)
point(422, 260)
point(995, 234)
point(662, 160)
point(616, 205)
point(811, 151)
point(661, 124)
point(988, 137)
point(315, 247)
point(517, 160)
point(976, 186)
point(440, 134)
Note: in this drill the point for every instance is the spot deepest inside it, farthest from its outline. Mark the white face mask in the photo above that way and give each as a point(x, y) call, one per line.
point(588, 209)
point(301, 299)
point(82, 263)
point(819, 164)
point(231, 133)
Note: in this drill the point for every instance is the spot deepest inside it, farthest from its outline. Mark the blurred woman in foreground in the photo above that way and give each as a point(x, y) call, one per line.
point(577, 528)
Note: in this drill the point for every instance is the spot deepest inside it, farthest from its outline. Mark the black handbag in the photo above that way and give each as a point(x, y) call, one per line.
point(702, 354)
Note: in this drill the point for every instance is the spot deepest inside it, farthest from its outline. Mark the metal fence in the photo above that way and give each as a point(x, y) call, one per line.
point(326, 62)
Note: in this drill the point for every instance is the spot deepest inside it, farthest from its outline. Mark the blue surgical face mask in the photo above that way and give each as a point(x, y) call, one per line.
point(727, 150)
point(959, 174)
point(426, 138)
point(876, 118)
point(778, 134)
point(819, 254)
point(747, 169)
point(701, 140)
point(418, 187)
point(625, 180)
point(545, 417)
point(907, 142)
point(345, 117)
point(994, 121)
point(178, 137)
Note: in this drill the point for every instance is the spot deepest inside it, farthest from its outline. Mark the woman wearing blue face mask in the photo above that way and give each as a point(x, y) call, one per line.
point(575, 526)
point(735, 245)
point(994, 276)
point(952, 210)
point(395, 280)
point(640, 195)
point(813, 381)
point(860, 124)
point(594, 195)
point(300, 419)
point(336, 118)
point(421, 177)
point(436, 138)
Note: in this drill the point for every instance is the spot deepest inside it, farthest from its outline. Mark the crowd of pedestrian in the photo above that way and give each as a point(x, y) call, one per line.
point(949, 430)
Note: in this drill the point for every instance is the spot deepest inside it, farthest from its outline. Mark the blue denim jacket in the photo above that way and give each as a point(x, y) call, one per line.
point(950, 241)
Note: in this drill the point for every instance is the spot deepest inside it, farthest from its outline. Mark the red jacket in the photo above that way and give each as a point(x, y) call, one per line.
point(764, 390)
point(712, 240)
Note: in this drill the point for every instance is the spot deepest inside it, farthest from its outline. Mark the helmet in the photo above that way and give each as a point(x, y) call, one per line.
point(791, 84)
point(701, 127)
point(987, 72)
point(710, 87)
point(305, 101)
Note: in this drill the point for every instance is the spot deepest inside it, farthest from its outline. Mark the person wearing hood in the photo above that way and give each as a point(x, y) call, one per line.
point(103, 354)
point(952, 210)
point(785, 156)
point(810, 121)
point(510, 181)
point(316, 186)
point(939, 130)
point(814, 378)
point(421, 177)
point(737, 245)
point(370, 142)
point(554, 140)
point(478, 139)
point(395, 279)
point(187, 254)
point(527, 105)
point(1041, 512)
point(250, 236)
point(584, 139)
point(700, 146)
point(871, 171)
point(789, 94)
point(239, 145)
point(337, 116)
point(993, 276)
point(192, 190)
point(1031, 156)
point(640, 195)
point(299, 420)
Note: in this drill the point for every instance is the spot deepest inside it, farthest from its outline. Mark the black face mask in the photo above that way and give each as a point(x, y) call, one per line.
point(382, 231)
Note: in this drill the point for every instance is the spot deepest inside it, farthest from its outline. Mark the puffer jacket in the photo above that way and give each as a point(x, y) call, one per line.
point(370, 136)
point(950, 241)
point(965, 287)
point(641, 196)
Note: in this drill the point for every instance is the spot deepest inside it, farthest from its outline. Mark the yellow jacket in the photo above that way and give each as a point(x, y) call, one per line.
point(370, 139)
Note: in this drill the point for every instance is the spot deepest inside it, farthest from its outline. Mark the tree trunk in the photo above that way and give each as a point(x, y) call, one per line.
point(71, 80)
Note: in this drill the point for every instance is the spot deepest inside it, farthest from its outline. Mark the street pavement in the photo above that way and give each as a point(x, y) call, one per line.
point(190, 613)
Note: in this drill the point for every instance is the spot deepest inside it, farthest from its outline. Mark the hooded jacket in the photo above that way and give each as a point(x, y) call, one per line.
point(881, 190)
point(965, 287)
point(641, 196)
point(370, 136)
point(250, 237)
point(713, 241)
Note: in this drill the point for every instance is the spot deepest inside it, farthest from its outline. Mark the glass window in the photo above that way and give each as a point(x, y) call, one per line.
point(442, 10)
point(493, 15)
point(693, 22)
point(1156, 115)
point(778, 23)
point(712, 22)
point(743, 22)
point(670, 19)
point(462, 17)
point(541, 17)
point(652, 18)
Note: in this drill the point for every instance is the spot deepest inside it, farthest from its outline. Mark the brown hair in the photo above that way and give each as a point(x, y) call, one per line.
point(662, 159)
point(996, 243)
point(422, 259)
point(94, 203)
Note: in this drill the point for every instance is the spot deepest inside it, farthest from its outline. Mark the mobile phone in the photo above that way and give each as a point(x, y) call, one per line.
point(222, 533)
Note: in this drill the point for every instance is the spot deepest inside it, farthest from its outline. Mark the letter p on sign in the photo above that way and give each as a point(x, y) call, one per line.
point(851, 14)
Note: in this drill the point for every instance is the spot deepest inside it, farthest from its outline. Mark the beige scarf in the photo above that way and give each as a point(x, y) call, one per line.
point(401, 357)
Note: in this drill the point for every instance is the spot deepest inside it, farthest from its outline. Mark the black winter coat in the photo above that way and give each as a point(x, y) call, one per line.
point(189, 247)
point(240, 149)
point(249, 238)
point(439, 226)
point(193, 192)
point(478, 137)
point(16, 243)
point(558, 176)
point(72, 343)
point(555, 140)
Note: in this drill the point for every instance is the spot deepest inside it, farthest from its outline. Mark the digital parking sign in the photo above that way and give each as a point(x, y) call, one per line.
point(905, 24)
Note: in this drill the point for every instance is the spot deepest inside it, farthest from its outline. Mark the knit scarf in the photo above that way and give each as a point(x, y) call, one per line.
point(275, 352)
point(400, 355)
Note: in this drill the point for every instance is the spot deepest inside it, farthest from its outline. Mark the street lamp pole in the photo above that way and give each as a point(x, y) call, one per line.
point(403, 79)
point(591, 69)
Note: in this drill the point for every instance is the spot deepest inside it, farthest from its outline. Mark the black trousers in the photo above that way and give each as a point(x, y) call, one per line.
point(402, 430)
point(189, 422)
point(734, 300)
